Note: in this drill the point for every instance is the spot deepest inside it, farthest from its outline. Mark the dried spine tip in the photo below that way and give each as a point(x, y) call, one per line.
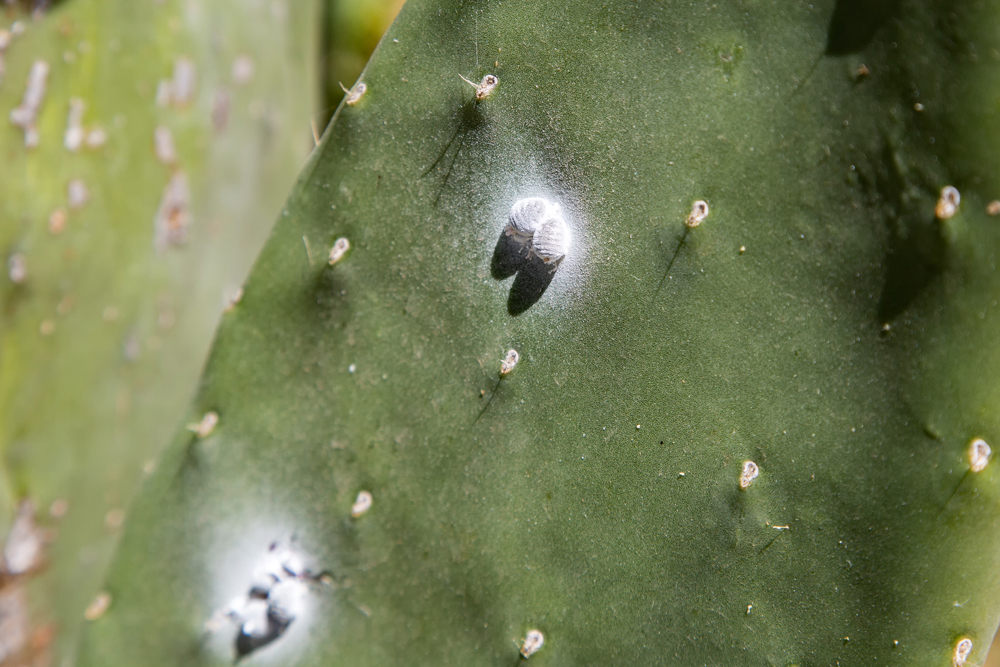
point(947, 204)
point(207, 424)
point(354, 95)
point(979, 454)
point(25, 115)
point(533, 642)
point(362, 504)
point(749, 474)
point(97, 608)
point(339, 249)
point(699, 211)
point(509, 362)
point(962, 650)
point(485, 86)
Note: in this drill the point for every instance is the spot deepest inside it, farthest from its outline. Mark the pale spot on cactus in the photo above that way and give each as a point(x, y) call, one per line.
point(243, 69)
point(993, 208)
point(75, 134)
point(57, 221)
point(204, 428)
point(23, 549)
point(180, 89)
point(947, 204)
point(509, 362)
point(26, 114)
point(339, 249)
point(110, 314)
point(220, 110)
point(96, 138)
point(58, 508)
point(748, 474)
point(962, 650)
point(533, 643)
point(979, 455)
point(17, 268)
point(98, 607)
point(699, 211)
point(114, 519)
point(47, 327)
point(485, 87)
point(362, 504)
point(173, 215)
point(233, 298)
point(163, 145)
point(354, 95)
point(77, 194)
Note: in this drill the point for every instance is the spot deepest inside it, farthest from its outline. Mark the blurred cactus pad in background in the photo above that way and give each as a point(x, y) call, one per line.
point(670, 340)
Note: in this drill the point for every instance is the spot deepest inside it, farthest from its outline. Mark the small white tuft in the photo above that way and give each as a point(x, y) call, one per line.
point(163, 145)
point(979, 454)
point(509, 362)
point(97, 608)
point(485, 86)
point(533, 642)
point(354, 95)
point(339, 249)
point(362, 504)
point(204, 428)
point(26, 114)
point(749, 474)
point(173, 216)
point(75, 135)
point(17, 268)
point(947, 205)
point(243, 69)
point(699, 211)
point(962, 650)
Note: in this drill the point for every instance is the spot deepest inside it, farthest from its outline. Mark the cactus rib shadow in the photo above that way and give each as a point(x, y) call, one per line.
point(531, 276)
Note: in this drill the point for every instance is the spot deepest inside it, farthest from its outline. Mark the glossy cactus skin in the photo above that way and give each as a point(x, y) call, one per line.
point(102, 341)
point(820, 322)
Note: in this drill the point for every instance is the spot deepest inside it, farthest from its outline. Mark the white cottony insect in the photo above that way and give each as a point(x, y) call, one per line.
point(551, 240)
point(532, 643)
point(979, 454)
point(962, 650)
point(339, 249)
point(353, 96)
point(947, 205)
point(699, 211)
point(509, 362)
point(362, 504)
point(485, 86)
point(749, 474)
point(525, 216)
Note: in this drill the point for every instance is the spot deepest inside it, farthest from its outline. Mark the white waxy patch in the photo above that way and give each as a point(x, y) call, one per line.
point(533, 642)
point(22, 552)
point(184, 82)
point(96, 138)
point(97, 608)
point(749, 474)
point(552, 238)
point(962, 650)
point(77, 194)
point(204, 428)
point(362, 504)
point(699, 211)
point(17, 268)
point(163, 145)
point(25, 115)
point(339, 249)
point(509, 362)
point(173, 216)
point(75, 134)
point(220, 110)
point(525, 216)
point(947, 204)
point(57, 221)
point(979, 455)
point(243, 69)
point(355, 94)
point(485, 87)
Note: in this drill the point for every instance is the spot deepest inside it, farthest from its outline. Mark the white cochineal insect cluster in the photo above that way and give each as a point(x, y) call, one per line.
point(276, 597)
point(539, 224)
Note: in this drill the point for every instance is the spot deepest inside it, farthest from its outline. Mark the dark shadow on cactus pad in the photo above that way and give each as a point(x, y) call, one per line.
point(529, 286)
point(854, 24)
point(912, 261)
point(508, 257)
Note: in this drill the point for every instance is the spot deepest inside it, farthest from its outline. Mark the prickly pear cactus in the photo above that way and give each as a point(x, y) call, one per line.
point(754, 390)
point(147, 147)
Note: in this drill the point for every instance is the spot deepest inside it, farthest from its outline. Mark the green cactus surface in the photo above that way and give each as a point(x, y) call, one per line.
point(109, 296)
point(822, 322)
